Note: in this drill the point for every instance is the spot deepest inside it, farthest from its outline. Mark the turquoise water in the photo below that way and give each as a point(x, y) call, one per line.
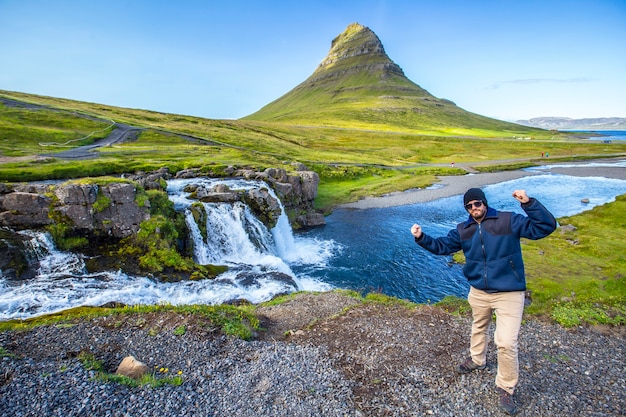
point(607, 134)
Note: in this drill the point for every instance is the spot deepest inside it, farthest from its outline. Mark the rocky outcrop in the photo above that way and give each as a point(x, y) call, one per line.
point(151, 181)
point(112, 209)
point(122, 214)
point(88, 209)
point(15, 262)
point(296, 191)
point(264, 205)
point(28, 210)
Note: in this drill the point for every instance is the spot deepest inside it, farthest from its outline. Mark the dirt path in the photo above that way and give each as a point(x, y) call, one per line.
point(121, 133)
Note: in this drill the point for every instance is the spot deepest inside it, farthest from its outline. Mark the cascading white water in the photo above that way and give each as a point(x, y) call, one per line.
point(259, 262)
point(232, 232)
point(53, 263)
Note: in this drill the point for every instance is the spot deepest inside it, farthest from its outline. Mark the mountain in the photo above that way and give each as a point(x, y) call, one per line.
point(357, 85)
point(565, 123)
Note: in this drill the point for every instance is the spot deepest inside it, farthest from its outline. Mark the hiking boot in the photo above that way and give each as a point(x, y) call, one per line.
point(468, 366)
point(506, 402)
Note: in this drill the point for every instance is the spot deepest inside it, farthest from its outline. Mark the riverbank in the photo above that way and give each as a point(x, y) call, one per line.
point(456, 185)
point(325, 354)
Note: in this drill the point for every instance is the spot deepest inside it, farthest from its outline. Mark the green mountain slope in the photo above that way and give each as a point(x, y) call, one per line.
point(357, 85)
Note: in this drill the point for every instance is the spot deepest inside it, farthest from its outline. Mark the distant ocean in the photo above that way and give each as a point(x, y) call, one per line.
point(607, 134)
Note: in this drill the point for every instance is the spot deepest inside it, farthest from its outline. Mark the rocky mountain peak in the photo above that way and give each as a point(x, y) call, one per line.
point(355, 50)
point(356, 40)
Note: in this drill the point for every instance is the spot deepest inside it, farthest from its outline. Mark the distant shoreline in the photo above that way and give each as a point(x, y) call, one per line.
point(457, 184)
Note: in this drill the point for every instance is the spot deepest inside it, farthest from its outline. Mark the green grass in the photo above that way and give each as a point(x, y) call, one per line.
point(230, 320)
point(259, 144)
point(26, 131)
point(580, 276)
point(343, 184)
point(147, 380)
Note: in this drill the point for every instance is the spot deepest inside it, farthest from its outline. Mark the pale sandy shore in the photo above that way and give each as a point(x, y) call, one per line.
point(455, 185)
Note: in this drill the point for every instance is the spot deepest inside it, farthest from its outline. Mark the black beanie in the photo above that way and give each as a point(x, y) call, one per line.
point(474, 194)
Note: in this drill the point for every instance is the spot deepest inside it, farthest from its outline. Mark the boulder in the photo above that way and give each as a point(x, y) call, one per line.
point(15, 264)
point(310, 180)
point(75, 203)
point(299, 166)
point(568, 228)
point(311, 219)
point(5, 188)
point(279, 174)
point(220, 197)
point(153, 180)
point(106, 210)
point(122, 217)
point(21, 210)
point(264, 206)
point(76, 194)
point(132, 368)
point(217, 194)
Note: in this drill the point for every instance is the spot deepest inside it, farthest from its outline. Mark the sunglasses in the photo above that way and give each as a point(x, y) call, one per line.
point(476, 204)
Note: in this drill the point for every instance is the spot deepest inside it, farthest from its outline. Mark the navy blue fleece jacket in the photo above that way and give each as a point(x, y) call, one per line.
point(493, 254)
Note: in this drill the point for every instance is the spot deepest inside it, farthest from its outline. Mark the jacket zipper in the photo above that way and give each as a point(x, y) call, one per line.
point(482, 245)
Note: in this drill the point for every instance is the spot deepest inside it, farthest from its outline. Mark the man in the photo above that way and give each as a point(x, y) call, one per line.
point(490, 240)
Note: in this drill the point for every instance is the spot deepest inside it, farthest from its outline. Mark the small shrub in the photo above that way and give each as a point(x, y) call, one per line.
point(90, 362)
point(455, 305)
point(5, 353)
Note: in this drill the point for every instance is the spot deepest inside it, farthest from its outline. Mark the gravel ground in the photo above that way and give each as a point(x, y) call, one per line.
point(318, 355)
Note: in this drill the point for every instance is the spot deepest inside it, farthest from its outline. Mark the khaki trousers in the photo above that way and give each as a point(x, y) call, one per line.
point(508, 307)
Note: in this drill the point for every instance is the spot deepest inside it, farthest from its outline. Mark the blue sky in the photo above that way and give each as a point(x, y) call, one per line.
point(226, 59)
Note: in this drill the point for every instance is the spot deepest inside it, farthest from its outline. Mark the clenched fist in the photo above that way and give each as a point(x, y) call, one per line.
point(416, 231)
point(520, 195)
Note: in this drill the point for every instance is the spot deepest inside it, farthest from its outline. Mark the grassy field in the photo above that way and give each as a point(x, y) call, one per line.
point(27, 132)
point(352, 161)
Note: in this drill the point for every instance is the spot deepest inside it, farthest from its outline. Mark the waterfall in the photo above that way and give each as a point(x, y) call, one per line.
point(260, 264)
point(234, 236)
point(283, 237)
point(52, 263)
